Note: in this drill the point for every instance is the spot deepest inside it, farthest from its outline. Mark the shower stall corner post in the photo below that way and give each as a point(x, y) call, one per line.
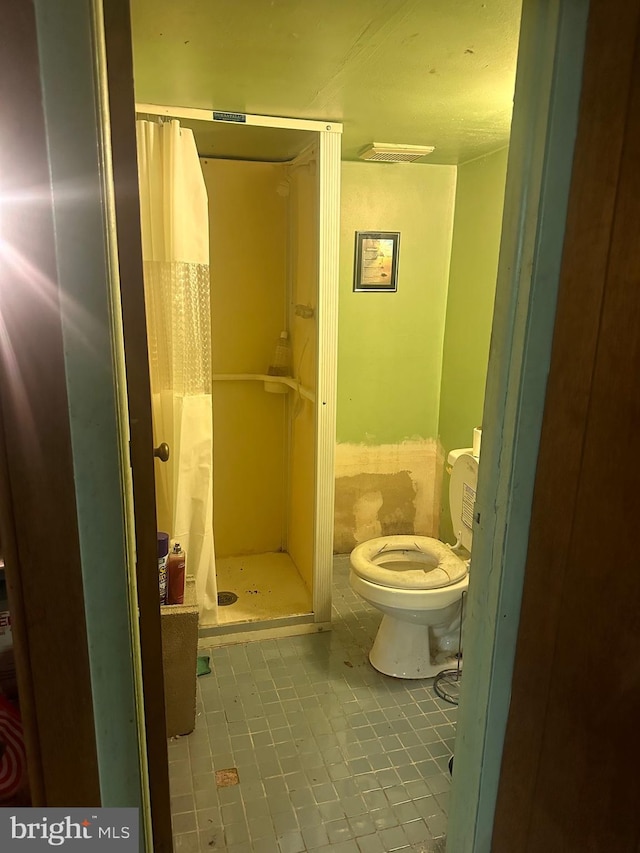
point(328, 262)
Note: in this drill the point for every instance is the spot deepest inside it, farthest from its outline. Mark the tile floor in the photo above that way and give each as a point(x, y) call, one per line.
point(331, 755)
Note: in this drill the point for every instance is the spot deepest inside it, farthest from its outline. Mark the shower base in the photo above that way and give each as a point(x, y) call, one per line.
point(268, 587)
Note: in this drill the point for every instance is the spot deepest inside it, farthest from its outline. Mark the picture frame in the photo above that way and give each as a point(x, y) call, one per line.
point(376, 261)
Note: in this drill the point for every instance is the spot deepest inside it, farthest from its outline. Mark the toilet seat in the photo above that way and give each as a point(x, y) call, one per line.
point(408, 562)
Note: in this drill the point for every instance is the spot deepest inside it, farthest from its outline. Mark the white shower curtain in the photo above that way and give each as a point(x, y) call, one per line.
point(175, 241)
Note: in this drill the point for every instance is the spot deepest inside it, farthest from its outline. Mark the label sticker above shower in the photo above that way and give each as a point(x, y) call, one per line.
point(237, 117)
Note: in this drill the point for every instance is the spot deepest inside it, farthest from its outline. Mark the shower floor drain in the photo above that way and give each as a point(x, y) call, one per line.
point(225, 598)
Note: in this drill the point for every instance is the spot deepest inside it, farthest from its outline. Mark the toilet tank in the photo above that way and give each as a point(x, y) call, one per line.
point(462, 494)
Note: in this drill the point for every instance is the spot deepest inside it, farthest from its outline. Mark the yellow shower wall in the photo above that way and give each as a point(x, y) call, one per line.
point(248, 240)
point(248, 250)
point(303, 201)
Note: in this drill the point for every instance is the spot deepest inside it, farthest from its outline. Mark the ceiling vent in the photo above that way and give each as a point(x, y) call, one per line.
point(385, 152)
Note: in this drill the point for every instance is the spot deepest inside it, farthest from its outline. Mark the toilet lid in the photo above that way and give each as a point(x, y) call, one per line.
point(407, 562)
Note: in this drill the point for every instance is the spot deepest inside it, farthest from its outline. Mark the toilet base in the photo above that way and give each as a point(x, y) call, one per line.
point(403, 650)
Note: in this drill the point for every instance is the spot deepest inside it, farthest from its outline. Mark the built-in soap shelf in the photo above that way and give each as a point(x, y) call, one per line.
point(270, 382)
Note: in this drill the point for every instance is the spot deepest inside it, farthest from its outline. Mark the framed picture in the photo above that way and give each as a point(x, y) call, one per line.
point(376, 261)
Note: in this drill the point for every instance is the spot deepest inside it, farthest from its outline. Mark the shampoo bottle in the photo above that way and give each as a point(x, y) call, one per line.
point(281, 363)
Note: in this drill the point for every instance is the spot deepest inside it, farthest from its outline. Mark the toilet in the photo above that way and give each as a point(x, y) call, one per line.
point(417, 583)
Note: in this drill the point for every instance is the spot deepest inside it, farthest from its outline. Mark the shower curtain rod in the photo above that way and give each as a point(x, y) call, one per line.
point(226, 117)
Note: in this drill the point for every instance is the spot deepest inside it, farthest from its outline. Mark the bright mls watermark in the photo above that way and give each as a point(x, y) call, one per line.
point(69, 829)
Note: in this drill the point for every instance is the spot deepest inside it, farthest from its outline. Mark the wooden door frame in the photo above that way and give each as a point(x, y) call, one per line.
point(70, 49)
point(38, 510)
point(548, 86)
point(119, 70)
point(64, 443)
point(568, 777)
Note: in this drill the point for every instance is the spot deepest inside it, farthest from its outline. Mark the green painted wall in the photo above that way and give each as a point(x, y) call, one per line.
point(390, 344)
point(472, 281)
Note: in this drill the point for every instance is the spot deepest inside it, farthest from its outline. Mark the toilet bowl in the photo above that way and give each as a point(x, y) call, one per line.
point(417, 583)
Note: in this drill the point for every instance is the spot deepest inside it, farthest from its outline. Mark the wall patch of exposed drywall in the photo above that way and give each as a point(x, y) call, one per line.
point(384, 490)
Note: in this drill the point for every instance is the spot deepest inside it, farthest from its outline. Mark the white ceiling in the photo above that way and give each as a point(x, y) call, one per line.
point(423, 72)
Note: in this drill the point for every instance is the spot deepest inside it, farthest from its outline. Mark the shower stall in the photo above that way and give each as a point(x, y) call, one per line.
point(273, 226)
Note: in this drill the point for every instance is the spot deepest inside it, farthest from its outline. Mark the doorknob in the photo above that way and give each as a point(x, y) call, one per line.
point(161, 452)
